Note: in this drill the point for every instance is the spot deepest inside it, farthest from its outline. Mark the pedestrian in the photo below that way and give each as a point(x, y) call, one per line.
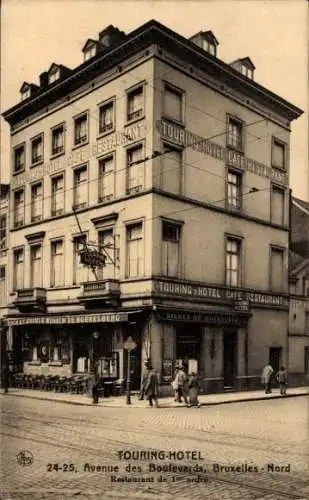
point(96, 386)
point(5, 378)
point(175, 384)
point(193, 390)
point(282, 378)
point(266, 377)
point(144, 380)
point(181, 381)
point(151, 387)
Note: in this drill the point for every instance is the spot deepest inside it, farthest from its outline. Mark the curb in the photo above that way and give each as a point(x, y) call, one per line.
point(101, 405)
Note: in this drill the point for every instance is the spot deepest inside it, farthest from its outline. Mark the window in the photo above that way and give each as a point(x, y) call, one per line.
point(246, 71)
point(37, 150)
point(235, 134)
point(135, 104)
point(57, 195)
point(36, 202)
point(277, 205)
point(107, 117)
point(307, 360)
point(233, 262)
point(173, 103)
point(278, 154)
point(306, 323)
point(80, 272)
point(3, 242)
point(35, 266)
point(234, 189)
point(57, 264)
point(170, 248)
point(54, 75)
point(171, 170)
point(58, 140)
point(90, 52)
point(276, 271)
point(134, 250)
point(2, 286)
point(80, 187)
point(135, 169)
point(19, 208)
point(25, 94)
point(106, 178)
point(19, 158)
point(210, 47)
point(18, 273)
point(81, 129)
point(106, 239)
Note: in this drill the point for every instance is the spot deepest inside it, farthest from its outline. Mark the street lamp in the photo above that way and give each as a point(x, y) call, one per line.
point(95, 336)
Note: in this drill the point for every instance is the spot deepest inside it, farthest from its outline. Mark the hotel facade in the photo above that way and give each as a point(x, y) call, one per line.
point(177, 166)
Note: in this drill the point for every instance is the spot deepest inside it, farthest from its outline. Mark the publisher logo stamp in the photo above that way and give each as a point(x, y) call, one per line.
point(24, 458)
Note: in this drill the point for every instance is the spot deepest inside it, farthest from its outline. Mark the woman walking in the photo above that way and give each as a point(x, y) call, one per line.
point(193, 388)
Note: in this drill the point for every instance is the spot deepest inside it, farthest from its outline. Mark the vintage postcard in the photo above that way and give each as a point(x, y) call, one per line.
point(154, 250)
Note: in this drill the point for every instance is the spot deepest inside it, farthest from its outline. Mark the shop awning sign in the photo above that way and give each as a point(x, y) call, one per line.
point(69, 319)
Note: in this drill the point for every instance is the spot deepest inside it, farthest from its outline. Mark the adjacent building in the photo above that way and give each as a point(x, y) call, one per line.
point(177, 167)
point(4, 253)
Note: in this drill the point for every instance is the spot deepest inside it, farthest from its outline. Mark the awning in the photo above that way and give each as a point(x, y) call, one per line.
point(110, 317)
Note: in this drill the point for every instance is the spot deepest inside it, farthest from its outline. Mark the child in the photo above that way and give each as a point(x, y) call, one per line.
point(282, 378)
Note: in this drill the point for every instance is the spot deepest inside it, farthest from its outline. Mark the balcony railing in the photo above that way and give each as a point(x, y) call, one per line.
point(33, 298)
point(106, 290)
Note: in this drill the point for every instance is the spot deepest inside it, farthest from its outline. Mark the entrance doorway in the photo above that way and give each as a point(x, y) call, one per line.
point(229, 359)
point(275, 354)
point(188, 344)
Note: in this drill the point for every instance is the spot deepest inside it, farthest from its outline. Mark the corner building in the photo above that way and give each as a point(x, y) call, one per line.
point(178, 167)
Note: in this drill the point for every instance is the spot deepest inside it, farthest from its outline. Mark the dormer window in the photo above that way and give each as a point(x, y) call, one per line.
point(54, 75)
point(245, 66)
point(210, 47)
point(90, 52)
point(248, 72)
point(25, 94)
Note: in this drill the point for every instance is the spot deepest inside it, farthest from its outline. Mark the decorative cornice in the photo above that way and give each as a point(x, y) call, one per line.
point(39, 236)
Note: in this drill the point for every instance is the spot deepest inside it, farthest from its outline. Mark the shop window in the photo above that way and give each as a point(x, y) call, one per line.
point(18, 271)
point(135, 103)
point(171, 170)
point(173, 103)
point(234, 189)
point(19, 207)
point(135, 251)
point(277, 269)
point(58, 140)
point(35, 266)
point(106, 178)
point(233, 261)
point(107, 117)
point(135, 169)
point(57, 195)
point(188, 345)
point(277, 205)
point(80, 187)
point(57, 264)
point(171, 249)
point(36, 202)
point(81, 129)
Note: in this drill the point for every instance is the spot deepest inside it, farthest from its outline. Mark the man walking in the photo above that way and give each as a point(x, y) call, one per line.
point(266, 377)
point(151, 387)
point(282, 378)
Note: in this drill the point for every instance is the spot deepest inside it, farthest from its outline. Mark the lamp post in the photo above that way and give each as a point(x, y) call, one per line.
point(129, 345)
point(95, 336)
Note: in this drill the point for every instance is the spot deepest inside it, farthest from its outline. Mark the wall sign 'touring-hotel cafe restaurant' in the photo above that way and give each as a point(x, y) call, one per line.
point(184, 138)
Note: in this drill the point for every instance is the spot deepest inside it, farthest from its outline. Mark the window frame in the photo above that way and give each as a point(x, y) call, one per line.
point(179, 226)
point(240, 270)
point(36, 245)
point(4, 230)
point(52, 244)
point(282, 250)
point(109, 197)
point(176, 90)
point(77, 118)
point(277, 187)
point(54, 129)
point(21, 250)
point(52, 177)
point(54, 75)
point(129, 92)
point(40, 138)
point(239, 186)
point(32, 185)
point(15, 148)
point(139, 187)
point(106, 103)
point(239, 122)
point(75, 238)
point(129, 224)
point(89, 51)
point(84, 166)
point(278, 142)
point(19, 189)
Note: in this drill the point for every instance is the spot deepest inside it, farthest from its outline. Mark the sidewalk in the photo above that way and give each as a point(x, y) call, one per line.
point(166, 402)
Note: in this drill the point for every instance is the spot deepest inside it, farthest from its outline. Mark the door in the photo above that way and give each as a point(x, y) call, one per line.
point(229, 359)
point(275, 357)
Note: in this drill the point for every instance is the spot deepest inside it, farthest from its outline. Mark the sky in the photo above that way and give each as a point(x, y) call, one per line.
point(274, 33)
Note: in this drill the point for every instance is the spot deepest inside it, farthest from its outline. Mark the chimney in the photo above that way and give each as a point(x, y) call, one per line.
point(44, 80)
point(111, 36)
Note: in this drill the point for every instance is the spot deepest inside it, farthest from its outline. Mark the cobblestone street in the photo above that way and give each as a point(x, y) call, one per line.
point(69, 442)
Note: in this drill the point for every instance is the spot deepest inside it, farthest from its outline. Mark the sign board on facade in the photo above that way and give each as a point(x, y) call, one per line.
point(212, 318)
point(69, 319)
point(215, 294)
point(185, 138)
point(242, 305)
point(129, 344)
